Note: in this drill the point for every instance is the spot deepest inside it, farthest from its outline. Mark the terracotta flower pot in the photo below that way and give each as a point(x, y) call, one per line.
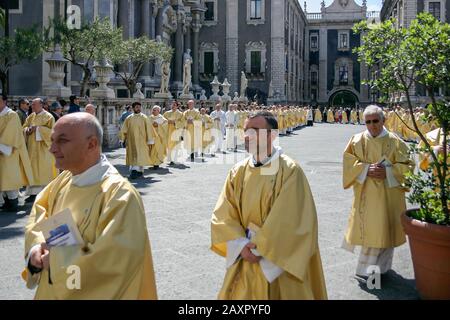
point(430, 251)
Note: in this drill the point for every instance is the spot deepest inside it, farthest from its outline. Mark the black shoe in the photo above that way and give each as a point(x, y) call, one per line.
point(213, 155)
point(155, 167)
point(10, 205)
point(224, 152)
point(171, 163)
point(31, 199)
point(134, 175)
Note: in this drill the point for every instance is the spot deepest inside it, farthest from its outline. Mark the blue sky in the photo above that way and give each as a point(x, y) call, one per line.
point(314, 5)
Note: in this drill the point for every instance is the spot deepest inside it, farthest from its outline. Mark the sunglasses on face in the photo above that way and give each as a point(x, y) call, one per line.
point(372, 121)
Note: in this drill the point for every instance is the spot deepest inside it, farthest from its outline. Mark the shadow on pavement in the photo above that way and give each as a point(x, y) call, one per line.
point(7, 218)
point(179, 166)
point(160, 171)
point(11, 232)
point(393, 287)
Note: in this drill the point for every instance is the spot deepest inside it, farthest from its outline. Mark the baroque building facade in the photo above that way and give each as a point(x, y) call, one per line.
point(404, 11)
point(287, 54)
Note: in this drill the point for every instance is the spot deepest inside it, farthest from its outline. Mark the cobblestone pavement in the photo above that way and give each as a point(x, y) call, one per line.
point(179, 201)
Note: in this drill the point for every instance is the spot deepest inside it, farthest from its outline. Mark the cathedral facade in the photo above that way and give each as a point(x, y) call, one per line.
point(287, 54)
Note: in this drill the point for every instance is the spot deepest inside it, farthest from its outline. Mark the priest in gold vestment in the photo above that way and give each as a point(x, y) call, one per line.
point(15, 166)
point(318, 116)
point(137, 134)
point(192, 134)
point(159, 131)
point(38, 127)
point(207, 137)
point(265, 223)
point(175, 126)
point(113, 259)
point(375, 164)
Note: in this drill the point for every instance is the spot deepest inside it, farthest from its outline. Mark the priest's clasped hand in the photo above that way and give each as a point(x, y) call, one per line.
point(377, 171)
point(30, 130)
point(40, 258)
point(247, 255)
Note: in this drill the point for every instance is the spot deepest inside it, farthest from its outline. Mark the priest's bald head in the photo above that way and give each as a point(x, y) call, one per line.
point(76, 142)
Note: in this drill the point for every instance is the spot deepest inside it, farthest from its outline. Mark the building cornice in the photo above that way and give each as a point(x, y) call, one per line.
point(388, 5)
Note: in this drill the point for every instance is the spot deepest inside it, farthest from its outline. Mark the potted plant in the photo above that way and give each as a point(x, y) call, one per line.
point(404, 60)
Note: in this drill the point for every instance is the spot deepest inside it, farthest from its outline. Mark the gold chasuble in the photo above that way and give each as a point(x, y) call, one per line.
point(192, 137)
point(15, 169)
point(38, 145)
point(138, 134)
point(115, 261)
point(159, 150)
point(207, 138)
point(277, 199)
point(318, 116)
point(330, 116)
point(174, 129)
point(378, 204)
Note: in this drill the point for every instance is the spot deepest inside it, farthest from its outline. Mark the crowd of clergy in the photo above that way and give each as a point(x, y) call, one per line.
point(35, 158)
point(149, 140)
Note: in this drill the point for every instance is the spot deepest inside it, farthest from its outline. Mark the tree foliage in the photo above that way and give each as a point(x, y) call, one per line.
point(406, 58)
point(135, 53)
point(23, 45)
point(85, 45)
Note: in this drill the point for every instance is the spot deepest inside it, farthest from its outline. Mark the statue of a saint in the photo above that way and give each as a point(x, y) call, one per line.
point(187, 77)
point(270, 90)
point(244, 84)
point(165, 76)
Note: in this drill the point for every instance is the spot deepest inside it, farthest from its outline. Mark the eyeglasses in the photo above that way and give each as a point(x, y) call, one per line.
point(372, 121)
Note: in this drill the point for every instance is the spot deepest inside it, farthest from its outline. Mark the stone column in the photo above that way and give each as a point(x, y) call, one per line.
point(123, 22)
point(187, 38)
point(323, 72)
point(145, 31)
point(196, 25)
point(159, 22)
point(232, 44)
point(195, 57)
point(278, 64)
point(179, 46)
point(123, 17)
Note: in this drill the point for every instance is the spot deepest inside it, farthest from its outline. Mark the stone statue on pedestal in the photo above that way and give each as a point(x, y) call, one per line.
point(187, 76)
point(244, 84)
point(165, 76)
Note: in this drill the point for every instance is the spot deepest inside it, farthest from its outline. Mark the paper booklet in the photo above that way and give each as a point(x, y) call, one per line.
point(384, 162)
point(60, 230)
